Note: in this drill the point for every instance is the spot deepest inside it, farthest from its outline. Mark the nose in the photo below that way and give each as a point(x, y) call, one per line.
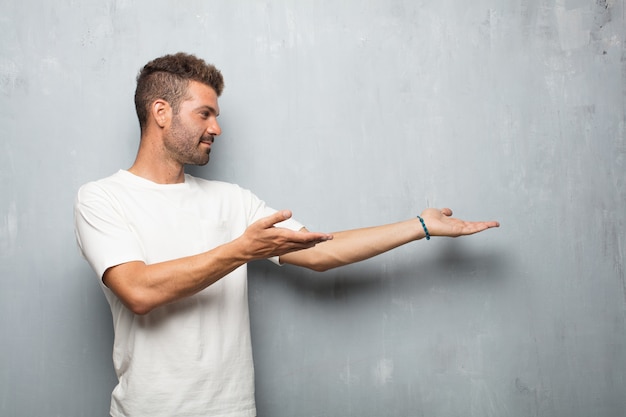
point(214, 128)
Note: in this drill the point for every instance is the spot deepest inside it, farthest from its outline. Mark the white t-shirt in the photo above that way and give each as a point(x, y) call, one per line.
point(192, 357)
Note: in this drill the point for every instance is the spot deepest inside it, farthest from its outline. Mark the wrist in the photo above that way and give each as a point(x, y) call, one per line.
point(424, 227)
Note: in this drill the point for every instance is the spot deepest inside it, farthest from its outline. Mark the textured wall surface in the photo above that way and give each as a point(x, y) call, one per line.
point(350, 113)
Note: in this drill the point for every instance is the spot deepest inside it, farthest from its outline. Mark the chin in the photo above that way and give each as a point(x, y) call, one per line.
point(199, 160)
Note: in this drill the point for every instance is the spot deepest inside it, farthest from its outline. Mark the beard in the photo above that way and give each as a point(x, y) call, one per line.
point(184, 144)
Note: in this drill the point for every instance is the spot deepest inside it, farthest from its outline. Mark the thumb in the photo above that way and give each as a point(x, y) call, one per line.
point(285, 214)
point(277, 217)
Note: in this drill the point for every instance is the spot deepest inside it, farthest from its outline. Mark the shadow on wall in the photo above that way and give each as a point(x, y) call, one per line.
point(455, 263)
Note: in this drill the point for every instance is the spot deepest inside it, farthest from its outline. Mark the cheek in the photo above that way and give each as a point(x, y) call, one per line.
point(186, 132)
point(192, 129)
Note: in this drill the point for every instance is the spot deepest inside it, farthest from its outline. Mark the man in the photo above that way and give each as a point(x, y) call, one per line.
point(171, 252)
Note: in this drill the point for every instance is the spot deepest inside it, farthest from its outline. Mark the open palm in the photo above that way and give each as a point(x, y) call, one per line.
point(440, 223)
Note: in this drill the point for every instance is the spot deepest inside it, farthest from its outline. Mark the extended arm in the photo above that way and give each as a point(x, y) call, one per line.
point(360, 244)
point(144, 287)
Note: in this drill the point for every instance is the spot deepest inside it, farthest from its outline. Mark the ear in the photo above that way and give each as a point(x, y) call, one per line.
point(161, 112)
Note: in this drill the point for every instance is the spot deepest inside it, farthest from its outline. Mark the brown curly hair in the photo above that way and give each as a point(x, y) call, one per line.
point(168, 77)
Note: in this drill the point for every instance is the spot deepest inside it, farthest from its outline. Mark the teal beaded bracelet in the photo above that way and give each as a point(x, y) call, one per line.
point(425, 229)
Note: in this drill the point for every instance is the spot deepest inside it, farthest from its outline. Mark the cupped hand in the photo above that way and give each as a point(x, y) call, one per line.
point(264, 240)
point(440, 223)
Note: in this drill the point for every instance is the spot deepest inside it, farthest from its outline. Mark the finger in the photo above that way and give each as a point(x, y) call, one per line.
point(488, 225)
point(300, 243)
point(284, 214)
point(274, 218)
point(446, 211)
point(310, 237)
point(480, 226)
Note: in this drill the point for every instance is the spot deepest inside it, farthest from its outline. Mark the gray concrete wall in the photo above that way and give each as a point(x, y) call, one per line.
point(350, 113)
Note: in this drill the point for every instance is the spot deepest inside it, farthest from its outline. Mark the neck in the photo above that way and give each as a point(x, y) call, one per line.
point(152, 164)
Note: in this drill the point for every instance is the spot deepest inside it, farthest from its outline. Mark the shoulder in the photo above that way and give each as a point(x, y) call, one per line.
point(96, 186)
point(102, 187)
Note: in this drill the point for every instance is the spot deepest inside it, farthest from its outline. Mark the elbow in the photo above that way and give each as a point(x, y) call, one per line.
point(309, 264)
point(139, 309)
point(140, 305)
point(137, 304)
point(329, 261)
point(137, 298)
point(320, 265)
point(313, 259)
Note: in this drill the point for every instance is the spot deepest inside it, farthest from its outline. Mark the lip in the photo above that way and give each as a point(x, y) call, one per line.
point(207, 140)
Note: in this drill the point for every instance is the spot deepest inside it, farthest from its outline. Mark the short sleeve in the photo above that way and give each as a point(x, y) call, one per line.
point(103, 235)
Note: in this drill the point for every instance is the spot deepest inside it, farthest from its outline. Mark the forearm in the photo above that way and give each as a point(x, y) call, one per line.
point(360, 244)
point(143, 288)
point(356, 245)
